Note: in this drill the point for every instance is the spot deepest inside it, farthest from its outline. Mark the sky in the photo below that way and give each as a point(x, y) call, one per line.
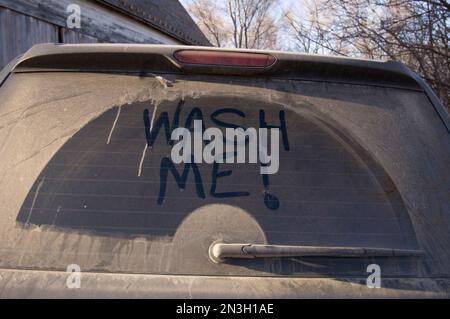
point(283, 5)
point(277, 12)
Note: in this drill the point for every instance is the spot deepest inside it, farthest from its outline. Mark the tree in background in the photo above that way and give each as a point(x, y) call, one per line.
point(237, 23)
point(415, 32)
point(209, 17)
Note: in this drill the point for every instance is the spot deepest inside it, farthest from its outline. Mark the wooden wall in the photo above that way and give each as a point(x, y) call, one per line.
point(24, 23)
point(19, 32)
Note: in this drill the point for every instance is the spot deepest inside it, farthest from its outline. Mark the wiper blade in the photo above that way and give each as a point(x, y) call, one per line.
point(219, 251)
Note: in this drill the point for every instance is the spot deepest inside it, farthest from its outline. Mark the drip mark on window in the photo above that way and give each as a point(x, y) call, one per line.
point(34, 200)
point(114, 125)
point(146, 145)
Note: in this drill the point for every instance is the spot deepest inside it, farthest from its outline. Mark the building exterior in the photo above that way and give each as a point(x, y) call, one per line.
point(24, 23)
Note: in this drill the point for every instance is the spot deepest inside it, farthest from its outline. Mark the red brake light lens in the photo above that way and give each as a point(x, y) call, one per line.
point(224, 58)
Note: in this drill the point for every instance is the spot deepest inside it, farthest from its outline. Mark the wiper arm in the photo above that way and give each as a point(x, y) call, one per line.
point(219, 251)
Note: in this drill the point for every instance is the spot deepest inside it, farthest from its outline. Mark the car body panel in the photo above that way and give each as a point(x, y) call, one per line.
point(50, 284)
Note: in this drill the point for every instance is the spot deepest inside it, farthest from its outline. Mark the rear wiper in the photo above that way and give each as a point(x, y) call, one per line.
point(219, 251)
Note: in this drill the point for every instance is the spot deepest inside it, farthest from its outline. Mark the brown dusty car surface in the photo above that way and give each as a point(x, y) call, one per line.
point(86, 176)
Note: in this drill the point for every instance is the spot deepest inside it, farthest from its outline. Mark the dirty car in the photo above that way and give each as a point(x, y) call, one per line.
point(87, 178)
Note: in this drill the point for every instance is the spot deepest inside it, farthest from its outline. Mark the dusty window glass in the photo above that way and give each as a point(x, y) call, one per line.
point(88, 177)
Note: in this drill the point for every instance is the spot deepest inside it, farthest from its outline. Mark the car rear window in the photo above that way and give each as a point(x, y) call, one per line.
point(88, 178)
